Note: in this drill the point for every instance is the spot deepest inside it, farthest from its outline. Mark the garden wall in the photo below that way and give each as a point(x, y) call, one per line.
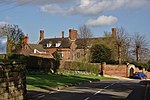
point(115, 70)
point(12, 81)
point(123, 70)
point(103, 69)
point(46, 65)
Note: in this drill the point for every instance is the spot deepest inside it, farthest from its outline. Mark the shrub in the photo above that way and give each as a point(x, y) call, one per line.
point(79, 66)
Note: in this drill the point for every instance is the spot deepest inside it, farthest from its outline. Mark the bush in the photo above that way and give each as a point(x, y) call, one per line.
point(79, 66)
point(36, 64)
point(41, 64)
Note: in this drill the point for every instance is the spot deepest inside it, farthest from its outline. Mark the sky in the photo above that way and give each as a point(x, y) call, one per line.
point(55, 16)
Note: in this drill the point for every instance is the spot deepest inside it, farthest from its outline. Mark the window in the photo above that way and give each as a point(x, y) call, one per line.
point(48, 44)
point(58, 44)
point(61, 54)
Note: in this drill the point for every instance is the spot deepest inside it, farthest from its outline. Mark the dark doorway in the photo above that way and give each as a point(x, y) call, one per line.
point(131, 72)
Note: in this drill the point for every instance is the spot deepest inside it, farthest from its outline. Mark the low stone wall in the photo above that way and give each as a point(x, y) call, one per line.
point(12, 81)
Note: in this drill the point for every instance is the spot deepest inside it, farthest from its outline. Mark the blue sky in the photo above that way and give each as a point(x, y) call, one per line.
point(55, 16)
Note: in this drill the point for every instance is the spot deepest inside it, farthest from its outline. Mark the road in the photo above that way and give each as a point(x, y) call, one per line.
point(101, 90)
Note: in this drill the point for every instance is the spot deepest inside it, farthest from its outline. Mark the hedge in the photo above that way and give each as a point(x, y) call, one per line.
point(80, 66)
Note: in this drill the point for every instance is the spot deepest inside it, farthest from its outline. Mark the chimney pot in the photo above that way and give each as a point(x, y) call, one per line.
point(41, 34)
point(73, 34)
point(62, 34)
point(26, 39)
point(114, 32)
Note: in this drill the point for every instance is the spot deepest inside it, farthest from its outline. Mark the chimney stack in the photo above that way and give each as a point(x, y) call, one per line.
point(114, 32)
point(41, 34)
point(73, 34)
point(62, 34)
point(26, 39)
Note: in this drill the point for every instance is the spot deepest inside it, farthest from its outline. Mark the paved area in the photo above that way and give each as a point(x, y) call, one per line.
point(101, 90)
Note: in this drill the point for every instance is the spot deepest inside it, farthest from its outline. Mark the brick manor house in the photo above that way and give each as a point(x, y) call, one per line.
point(70, 48)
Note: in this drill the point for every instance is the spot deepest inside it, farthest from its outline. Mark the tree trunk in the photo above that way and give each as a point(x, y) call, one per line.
point(119, 54)
point(137, 54)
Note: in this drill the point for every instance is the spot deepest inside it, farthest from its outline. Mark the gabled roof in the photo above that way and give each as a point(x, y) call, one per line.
point(30, 49)
point(64, 42)
point(39, 47)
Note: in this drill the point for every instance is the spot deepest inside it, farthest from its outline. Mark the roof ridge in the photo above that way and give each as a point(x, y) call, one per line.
point(56, 38)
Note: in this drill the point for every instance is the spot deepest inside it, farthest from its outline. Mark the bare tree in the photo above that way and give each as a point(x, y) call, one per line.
point(14, 35)
point(107, 34)
point(139, 45)
point(84, 34)
point(123, 43)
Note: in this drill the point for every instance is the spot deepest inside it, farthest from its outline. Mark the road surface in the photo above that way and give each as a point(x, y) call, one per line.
point(101, 90)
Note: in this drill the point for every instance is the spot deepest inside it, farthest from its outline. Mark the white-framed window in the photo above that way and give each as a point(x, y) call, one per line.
point(48, 45)
point(58, 44)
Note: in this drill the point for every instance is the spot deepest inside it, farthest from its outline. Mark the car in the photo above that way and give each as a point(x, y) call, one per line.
point(139, 75)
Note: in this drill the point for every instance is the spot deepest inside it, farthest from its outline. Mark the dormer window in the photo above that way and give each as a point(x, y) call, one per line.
point(58, 44)
point(49, 44)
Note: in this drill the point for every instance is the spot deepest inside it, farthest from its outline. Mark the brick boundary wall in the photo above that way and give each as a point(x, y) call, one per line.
point(115, 70)
point(12, 81)
point(121, 70)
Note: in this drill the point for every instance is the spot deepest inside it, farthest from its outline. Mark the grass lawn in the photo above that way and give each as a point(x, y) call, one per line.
point(43, 81)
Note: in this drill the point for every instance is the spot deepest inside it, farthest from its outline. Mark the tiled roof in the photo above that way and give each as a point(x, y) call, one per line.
point(64, 42)
point(39, 47)
point(31, 48)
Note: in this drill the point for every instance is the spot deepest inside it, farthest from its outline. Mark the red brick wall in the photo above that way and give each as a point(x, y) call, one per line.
point(66, 53)
point(115, 70)
point(51, 50)
point(121, 70)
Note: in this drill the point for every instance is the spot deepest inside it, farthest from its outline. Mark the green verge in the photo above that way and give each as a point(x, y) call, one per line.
point(48, 81)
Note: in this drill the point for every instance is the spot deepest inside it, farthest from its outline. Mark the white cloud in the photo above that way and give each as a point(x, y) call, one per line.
point(83, 7)
point(51, 9)
point(102, 21)
point(93, 7)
